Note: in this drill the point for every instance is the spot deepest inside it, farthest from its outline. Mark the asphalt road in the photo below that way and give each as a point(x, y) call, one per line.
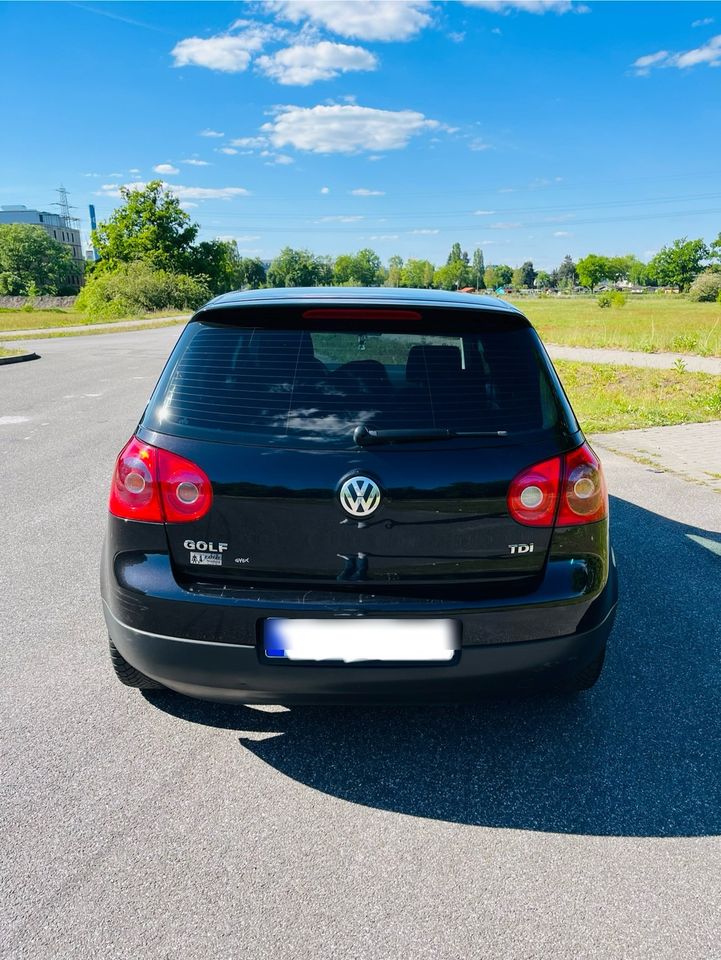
point(159, 827)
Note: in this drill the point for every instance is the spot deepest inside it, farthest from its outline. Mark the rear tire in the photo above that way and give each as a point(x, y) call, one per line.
point(585, 678)
point(128, 675)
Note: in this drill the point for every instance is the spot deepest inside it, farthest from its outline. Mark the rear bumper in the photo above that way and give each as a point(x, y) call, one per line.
point(203, 639)
point(236, 673)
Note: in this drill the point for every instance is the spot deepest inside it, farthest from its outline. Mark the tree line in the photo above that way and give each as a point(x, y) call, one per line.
point(150, 258)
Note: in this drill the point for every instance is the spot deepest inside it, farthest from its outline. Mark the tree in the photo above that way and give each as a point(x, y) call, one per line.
point(498, 276)
point(343, 270)
point(478, 267)
point(715, 249)
point(631, 268)
point(151, 226)
point(299, 268)
point(593, 269)
point(567, 273)
point(417, 273)
point(217, 261)
point(452, 276)
point(544, 281)
point(395, 265)
point(679, 264)
point(525, 275)
point(31, 262)
point(250, 273)
point(455, 254)
point(360, 269)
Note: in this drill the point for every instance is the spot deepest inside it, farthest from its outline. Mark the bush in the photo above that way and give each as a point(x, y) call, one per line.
point(706, 287)
point(611, 298)
point(136, 288)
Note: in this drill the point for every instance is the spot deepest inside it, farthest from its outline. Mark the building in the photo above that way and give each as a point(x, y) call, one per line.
point(60, 226)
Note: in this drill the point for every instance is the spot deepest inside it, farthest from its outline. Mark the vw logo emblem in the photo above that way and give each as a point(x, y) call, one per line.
point(360, 496)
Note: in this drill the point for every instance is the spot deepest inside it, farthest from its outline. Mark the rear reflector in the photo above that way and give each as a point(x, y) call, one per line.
point(156, 486)
point(348, 313)
point(570, 490)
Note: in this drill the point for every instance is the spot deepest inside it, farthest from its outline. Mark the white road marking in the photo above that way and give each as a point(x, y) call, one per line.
point(713, 545)
point(6, 421)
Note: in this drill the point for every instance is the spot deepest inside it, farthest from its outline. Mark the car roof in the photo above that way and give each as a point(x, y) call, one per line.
point(375, 296)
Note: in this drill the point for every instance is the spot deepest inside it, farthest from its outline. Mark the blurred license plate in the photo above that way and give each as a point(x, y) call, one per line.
point(352, 641)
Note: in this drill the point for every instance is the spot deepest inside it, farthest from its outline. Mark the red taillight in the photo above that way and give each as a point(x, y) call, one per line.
point(576, 479)
point(584, 498)
point(184, 488)
point(533, 494)
point(154, 485)
point(134, 492)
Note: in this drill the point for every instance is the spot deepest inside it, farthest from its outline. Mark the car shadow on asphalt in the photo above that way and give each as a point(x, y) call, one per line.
point(639, 755)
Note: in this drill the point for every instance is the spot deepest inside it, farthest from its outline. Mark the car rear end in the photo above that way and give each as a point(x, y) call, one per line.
point(338, 496)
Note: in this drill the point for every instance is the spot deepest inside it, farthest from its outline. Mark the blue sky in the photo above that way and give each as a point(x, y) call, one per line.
point(529, 129)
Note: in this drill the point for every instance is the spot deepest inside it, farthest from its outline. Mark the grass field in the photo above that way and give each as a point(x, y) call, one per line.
point(56, 317)
point(651, 323)
point(9, 353)
point(91, 330)
point(606, 397)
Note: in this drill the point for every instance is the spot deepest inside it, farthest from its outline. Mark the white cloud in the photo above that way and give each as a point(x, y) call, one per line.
point(347, 128)
point(227, 53)
point(709, 53)
point(339, 219)
point(251, 142)
point(361, 19)
point(483, 213)
point(424, 233)
point(194, 163)
point(181, 192)
point(365, 192)
point(325, 190)
point(562, 233)
point(457, 37)
point(134, 170)
point(478, 145)
point(211, 133)
point(281, 159)
point(505, 225)
point(528, 6)
point(165, 168)
point(385, 236)
point(302, 65)
point(706, 22)
point(230, 151)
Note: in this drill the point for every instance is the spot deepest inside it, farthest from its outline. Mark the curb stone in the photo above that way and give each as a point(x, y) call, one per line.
point(21, 359)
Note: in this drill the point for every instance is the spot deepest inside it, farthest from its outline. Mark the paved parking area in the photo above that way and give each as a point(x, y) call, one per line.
point(153, 826)
point(689, 450)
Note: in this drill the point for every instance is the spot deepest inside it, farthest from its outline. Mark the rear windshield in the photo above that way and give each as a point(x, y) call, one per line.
point(316, 385)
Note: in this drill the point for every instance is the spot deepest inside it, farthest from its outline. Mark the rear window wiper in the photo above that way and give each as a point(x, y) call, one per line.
point(365, 437)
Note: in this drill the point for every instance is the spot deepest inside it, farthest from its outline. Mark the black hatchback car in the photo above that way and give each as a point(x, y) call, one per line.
point(357, 494)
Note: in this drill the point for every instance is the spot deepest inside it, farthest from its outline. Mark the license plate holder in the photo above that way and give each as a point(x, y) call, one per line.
point(360, 640)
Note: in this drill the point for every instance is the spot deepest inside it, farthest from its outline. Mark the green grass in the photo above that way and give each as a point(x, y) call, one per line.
point(87, 331)
point(606, 397)
point(650, 323)
point(10, 353)
point(12, 320)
